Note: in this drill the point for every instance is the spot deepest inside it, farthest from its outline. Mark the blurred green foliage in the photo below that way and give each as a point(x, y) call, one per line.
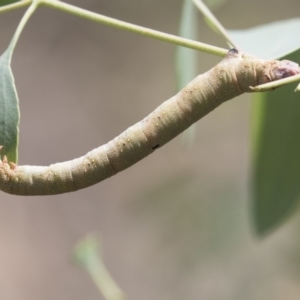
point(5, 2)
point(276, 159)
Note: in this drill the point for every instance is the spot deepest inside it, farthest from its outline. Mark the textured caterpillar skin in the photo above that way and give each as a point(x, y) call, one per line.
point(233, 76)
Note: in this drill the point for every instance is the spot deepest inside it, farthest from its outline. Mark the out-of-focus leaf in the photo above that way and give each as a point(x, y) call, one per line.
point(87, 255)
point(214, 23)
point(276, 176)
point(9, 109)
point(186, 59)
point(273, 40)
point(214, 4)
point(211, 25)
point(5, 2)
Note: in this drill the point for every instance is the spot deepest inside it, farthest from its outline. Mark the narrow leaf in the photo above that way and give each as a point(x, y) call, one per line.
point(269, 41)
point(214, 23)
point(9, 109)
point(6, 2)
point(186, 59)
point(276, 176)
point(87, 255)
point(9, 102)
point(214, 4)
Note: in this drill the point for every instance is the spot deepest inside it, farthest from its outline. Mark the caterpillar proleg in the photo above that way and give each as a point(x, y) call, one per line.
point(234, 75)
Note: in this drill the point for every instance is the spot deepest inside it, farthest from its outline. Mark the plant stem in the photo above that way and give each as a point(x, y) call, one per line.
point(134, 28)
point(24, 20)
point(214, 21)
point(14, 6)
point(276, 84)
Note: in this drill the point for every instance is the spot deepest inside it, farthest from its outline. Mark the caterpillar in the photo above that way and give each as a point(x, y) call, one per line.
point(233, 76)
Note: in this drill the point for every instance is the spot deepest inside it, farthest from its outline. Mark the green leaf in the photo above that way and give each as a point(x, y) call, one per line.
point(9, 102)
point(276, 175)
point(9, 109)
point(186, 59)
point(87, 255)
point(211, 25)
point(5, 2)
point(86, 251)
point(214, 4)
point(269, 41)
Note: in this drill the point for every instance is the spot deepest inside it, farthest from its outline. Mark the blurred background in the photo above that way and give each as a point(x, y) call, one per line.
point(177, 224)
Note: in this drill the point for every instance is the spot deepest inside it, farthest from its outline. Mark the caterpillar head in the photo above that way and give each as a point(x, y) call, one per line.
point(275, 70)
point(283, 69)
point(251, 71)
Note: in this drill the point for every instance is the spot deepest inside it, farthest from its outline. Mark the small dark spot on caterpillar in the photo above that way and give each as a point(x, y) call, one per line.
point(234, 51)
point(155, 147)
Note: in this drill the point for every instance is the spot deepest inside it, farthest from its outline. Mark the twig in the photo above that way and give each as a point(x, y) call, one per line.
point(134, 28)
point(208, 14)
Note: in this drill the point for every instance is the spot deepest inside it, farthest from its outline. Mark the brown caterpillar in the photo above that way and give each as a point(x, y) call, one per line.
point(234, 75)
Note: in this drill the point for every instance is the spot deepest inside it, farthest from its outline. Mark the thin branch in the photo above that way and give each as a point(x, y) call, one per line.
point(24, 20)
point(208, 14)
point(134, 28)
point(275, 84)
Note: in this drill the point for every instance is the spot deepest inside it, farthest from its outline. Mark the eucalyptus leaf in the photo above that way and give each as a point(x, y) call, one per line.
point(186, 59)
point(9, 102)
point(211, 25)
point(9, 109)
point(6, 2)
point(269, 41)
point(87, 255)
point(214, 4)
point(276, 139)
